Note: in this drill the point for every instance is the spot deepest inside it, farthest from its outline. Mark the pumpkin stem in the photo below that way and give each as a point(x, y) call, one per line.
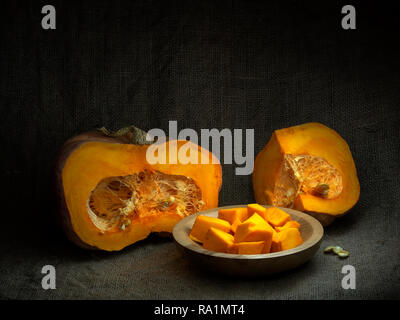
point(130, 134)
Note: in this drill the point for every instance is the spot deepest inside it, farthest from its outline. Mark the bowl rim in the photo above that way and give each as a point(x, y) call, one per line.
point(182, 237)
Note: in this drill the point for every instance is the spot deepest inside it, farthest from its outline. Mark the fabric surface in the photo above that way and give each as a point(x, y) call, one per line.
point(205, 64)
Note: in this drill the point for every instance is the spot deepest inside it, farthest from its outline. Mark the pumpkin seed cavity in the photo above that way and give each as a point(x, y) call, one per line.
point(306, 174)
point(117, 201)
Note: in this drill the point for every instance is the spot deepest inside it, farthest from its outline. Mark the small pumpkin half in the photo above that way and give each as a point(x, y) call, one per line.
point(110, 196)
point(310, 168)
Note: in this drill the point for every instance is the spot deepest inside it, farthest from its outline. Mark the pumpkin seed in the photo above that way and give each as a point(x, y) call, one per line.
point(339, 251)
point(164, 205)
point(343, 254)
point(322, 189)
point(328, 249)
point(289, 192)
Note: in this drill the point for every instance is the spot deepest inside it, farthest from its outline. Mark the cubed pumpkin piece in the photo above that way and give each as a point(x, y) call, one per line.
point(233, 215)
point(289, 238)
point(255, 247)
point(235, 225)
point(256, 219)
point(276, 216)
point(275, 244)
point(268, 247)
point(256, 208)
point(217, 240)
point(233, 248)
point(289, 224)
point(249, 231)
point(203, 223)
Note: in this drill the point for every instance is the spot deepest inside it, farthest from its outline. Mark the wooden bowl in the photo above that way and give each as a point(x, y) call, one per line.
point(250, 265)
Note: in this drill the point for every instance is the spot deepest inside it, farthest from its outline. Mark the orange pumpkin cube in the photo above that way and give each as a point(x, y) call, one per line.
point(256, 219)
point(256, 208)
point(249, 231)
point(289, 238)
point(276, 216)
point(289, 224)
point(255, 247)
point(234, 216)
point(217, 240)
point(275, 244)
point(235, 225)
point(203, 223)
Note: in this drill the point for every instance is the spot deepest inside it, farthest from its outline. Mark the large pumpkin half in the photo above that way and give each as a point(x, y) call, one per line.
point(308, 167)
point(111, 196)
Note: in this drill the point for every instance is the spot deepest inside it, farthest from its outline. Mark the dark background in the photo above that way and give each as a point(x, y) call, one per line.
point(209, 64)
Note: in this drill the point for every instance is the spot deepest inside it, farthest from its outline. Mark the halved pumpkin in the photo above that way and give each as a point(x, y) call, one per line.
point(111, 196)
point(307, 167)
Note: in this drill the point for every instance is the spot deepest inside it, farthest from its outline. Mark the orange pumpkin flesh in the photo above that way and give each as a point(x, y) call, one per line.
point(113, 197)
point(309, 168)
